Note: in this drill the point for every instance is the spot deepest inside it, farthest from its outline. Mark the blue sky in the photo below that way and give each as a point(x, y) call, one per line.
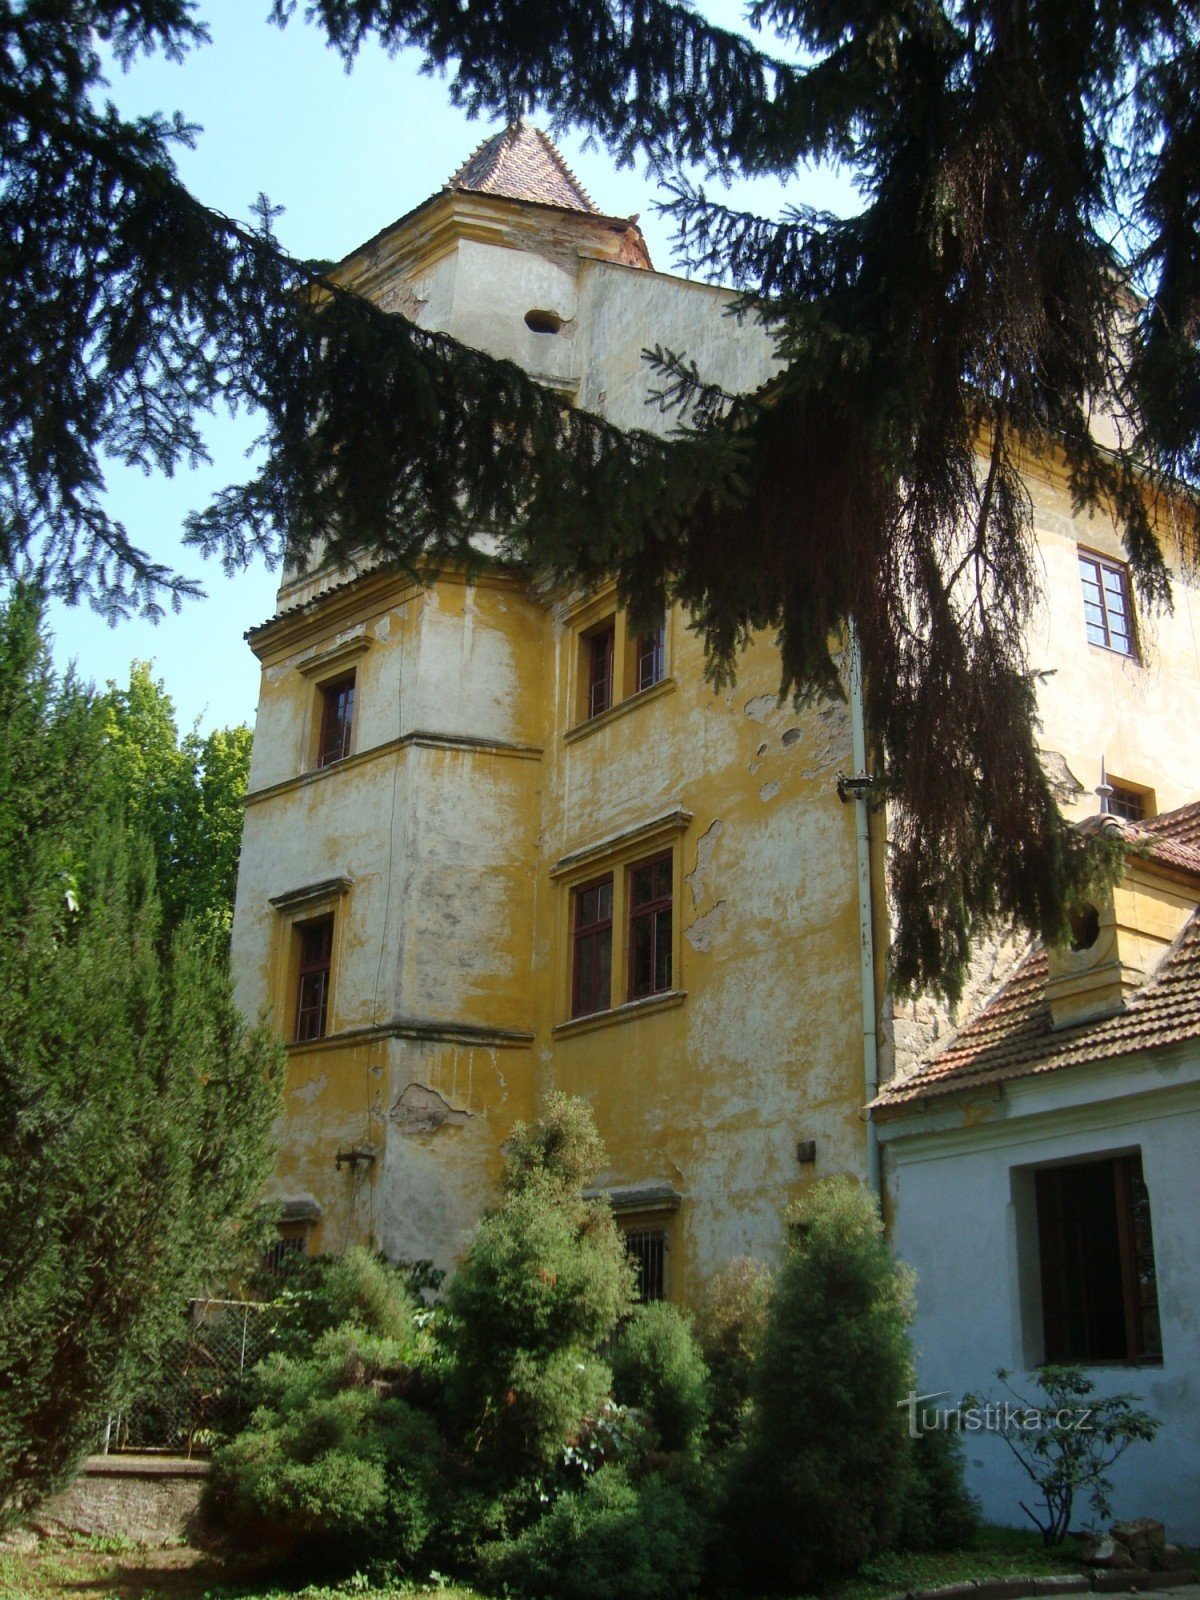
point(344, 154)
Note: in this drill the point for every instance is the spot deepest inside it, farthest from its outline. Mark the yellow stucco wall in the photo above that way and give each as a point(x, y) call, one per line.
point(476, 798)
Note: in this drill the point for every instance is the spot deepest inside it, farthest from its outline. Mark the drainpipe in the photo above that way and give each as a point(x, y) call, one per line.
point(866, 930)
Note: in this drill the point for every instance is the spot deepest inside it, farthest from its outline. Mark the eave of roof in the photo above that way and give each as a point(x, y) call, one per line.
point(1013, 1037)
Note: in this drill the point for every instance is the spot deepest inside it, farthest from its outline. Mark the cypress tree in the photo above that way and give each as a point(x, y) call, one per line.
point(135, 1106)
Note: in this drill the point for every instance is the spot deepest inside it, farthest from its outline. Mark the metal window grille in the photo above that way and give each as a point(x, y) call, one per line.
point(647, 1249)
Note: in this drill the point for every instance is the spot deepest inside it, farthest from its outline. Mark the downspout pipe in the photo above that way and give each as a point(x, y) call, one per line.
point(866, 921)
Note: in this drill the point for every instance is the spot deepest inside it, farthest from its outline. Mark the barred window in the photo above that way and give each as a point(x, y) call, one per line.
point(647, 1249)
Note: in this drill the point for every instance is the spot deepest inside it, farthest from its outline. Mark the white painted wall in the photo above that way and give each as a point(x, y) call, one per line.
point(954, 1182)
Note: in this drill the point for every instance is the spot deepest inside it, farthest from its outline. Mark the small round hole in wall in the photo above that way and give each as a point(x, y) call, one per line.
point(543, 321)
point(1085, 928)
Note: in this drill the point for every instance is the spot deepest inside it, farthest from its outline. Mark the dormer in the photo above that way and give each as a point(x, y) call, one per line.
point(1119, 939)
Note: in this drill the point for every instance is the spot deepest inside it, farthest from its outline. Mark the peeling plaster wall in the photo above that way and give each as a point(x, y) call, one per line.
point(466, 784)
point(765, 1050)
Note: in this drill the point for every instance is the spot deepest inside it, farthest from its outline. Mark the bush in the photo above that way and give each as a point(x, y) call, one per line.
point(543, 1283)
point(825, 1433)
point(937, 1512)
point(612, 1540)
point(310, 1295)
point(335, 1458)
point(730, 1323)
point(657, 1367)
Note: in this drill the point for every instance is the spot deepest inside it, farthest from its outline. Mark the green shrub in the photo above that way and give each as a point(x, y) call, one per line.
point(937, 1512)
point(614, 1539)
point(543, 1283)
point(730, 1322)
point(657, 1367)
point(309, 1295)
point(334, 1459)
point(824, 1471)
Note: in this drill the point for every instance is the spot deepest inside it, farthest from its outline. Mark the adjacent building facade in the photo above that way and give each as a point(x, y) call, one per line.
point(1042, 1180)
point(498, 842)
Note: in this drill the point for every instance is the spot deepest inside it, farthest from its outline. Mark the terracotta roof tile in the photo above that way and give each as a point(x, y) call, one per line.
point(523, 163)
point(1012, 1036)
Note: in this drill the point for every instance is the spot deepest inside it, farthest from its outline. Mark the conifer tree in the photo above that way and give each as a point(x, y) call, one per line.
point(135, 1105)
point(1028, 251)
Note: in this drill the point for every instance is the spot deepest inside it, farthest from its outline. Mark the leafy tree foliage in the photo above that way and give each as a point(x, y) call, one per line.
point(1028, 252)
point(135, 1107)
point(184, 794)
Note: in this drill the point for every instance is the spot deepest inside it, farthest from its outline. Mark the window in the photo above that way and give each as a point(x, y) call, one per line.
point(600, 670)
point(1099, 1289)
point(650, 659)
point(337, 720)
point(591, 971)
point(315, 962)
point(1108, 615)
point(1129, 804)
point(647, 1249)
point(280, 1254)
point(650, 926)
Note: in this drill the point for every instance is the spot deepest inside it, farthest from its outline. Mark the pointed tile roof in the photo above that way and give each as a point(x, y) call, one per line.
point(523, 163)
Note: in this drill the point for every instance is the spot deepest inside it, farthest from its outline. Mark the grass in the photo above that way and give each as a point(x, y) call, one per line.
point(113, 1569)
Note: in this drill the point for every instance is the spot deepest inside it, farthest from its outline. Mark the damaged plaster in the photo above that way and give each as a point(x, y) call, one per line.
point(423, 1110)
point(705, 929)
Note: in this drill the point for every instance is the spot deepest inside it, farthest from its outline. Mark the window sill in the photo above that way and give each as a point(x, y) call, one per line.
point(622, 1013)
point(1121, 655)
point(603, 718)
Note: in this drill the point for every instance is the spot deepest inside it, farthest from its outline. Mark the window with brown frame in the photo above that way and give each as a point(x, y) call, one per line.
point(1099, 1286)
point(1107, 611)
point(337, 720)
point(313, 968)
point(650, 926)
point(591, 959)
point(650, 660)
point(600, 652)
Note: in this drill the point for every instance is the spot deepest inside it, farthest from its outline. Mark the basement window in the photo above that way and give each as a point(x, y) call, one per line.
point(647, 1249)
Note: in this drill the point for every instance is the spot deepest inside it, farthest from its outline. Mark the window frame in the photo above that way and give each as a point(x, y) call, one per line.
point(591, 934)
point(1093, 568)
point(1077, 1276)
point(634, 663)
point(650, 912)
point(329, 692)
point(320, 967)
point(659, 839)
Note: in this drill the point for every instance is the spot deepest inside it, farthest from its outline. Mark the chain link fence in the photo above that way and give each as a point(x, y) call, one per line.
point(201, 1389)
